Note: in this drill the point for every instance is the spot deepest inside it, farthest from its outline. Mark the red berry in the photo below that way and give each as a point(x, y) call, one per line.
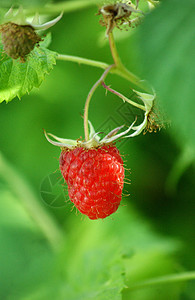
point(95, 179)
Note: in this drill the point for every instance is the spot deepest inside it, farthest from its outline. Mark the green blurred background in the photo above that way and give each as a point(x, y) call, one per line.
point(50, 251)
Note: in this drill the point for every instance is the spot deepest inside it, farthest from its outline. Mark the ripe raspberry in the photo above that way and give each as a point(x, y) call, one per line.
point(93, 170)
point(95, 179)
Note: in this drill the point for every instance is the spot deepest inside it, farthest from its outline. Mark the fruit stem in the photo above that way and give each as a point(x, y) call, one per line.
point(125, 99)
point(29, 201)
point(86, 109)
point(163, 280)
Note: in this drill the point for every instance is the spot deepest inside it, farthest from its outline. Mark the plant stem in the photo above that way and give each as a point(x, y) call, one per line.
point(29, 201)
point(122, 71)
point(125, 99)
point(120, 68)
point(82, 60)
point(163, 280)
point(114, 51)
point(68, 6)
point(86, 109)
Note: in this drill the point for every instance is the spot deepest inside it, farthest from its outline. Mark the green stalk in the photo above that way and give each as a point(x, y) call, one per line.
point(126, 74)
point(114, 51)
point(81, 60)
point(125, 99)
point(163, 280)
point(86, 109)
point(29, 201)
point(120, 70)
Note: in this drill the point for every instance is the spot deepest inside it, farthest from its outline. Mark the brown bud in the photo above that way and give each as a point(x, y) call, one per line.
point(18, 40)
point(116, 15)
point(154, 122)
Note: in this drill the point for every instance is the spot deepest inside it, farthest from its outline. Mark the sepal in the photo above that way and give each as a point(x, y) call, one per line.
point(19, 18)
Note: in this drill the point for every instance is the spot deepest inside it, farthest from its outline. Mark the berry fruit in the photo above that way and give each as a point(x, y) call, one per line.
point(18, 40)
point(93, 171)
point(94, 178)
point(19, 36)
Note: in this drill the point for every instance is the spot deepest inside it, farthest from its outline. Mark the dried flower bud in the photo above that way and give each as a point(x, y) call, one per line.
point(116, 15)
point(18, 34)
point(18, 40)
point(154, 122)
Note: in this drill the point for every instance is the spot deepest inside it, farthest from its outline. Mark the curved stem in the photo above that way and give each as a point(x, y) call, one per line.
point(125, 99)
point(163, 279)
point(86, 109)
point(23, 191)
point(120, 70)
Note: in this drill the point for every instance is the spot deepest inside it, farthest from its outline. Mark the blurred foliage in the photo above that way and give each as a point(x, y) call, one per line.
point(168, 62)
point(101, 259)
point(92, 264)
point(24, 3)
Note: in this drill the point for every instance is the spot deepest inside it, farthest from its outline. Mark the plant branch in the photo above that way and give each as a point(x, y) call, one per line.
point(114, 51)
point(163, 280)
point(120, 68)
point(122, 71)
point(23, 191)
point(81, 60)
point(86, 109)
point(125, 99)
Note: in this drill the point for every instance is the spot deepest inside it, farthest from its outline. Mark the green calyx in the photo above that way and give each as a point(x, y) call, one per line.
point(94, 141)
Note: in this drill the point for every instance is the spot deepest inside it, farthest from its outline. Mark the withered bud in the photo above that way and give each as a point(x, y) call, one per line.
point(154, 122)
point(18, 40)
point(116, 15)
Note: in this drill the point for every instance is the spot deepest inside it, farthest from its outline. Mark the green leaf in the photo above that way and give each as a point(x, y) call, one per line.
point(167, 56)
point(47, 41)
point(17, 78)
